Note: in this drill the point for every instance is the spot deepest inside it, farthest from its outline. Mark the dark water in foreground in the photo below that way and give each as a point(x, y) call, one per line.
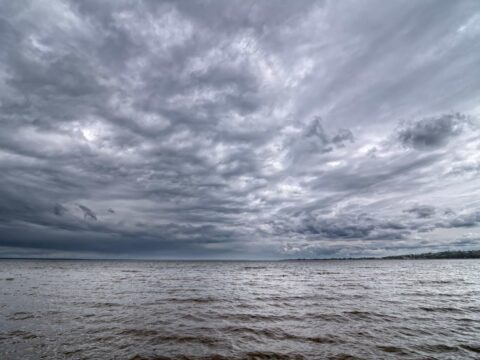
point(240, 310)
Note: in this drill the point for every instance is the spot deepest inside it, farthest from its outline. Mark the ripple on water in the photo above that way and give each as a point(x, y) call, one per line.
point(238, 310)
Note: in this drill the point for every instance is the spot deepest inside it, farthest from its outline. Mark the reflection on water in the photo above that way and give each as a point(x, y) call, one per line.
point(240, 310)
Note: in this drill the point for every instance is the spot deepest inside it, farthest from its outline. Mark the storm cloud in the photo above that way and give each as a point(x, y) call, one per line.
point(432, 132)
point(238, 129)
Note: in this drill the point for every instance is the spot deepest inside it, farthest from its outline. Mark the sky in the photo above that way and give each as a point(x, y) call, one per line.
point(239, 129)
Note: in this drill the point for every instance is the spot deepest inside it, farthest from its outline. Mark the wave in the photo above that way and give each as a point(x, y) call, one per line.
point(255, 355)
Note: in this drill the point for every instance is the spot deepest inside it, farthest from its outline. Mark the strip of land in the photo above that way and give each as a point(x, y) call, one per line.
point(471, 254)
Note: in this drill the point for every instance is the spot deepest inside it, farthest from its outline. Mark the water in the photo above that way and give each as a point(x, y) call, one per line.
point(240, 310)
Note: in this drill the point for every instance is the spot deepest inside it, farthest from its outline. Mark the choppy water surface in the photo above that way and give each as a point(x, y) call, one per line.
point(240, 310)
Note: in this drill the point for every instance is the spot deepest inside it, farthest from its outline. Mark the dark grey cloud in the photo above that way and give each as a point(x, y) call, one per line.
point(59, 209)
point(422, 211)
point(87, 213)
point(241, 130)
point(312, 140)
point(432, 132)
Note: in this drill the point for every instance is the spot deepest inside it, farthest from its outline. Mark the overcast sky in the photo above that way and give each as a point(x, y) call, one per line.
point(239, 129)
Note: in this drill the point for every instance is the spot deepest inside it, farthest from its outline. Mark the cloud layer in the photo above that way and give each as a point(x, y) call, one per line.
point(238, 129)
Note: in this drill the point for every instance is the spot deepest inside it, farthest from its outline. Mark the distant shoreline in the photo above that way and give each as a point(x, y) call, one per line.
point(471, 254)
